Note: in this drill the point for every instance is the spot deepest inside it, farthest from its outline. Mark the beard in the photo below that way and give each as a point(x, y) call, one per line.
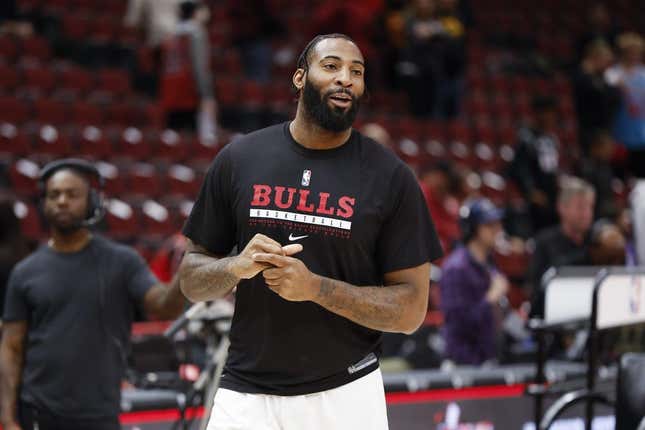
point(66, 227)
point(328, 117)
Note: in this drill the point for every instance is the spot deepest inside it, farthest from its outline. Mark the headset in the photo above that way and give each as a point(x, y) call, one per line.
point(96, 206)
point(96, 209)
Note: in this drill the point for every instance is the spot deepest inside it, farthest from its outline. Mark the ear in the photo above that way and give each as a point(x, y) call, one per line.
point(298, 79)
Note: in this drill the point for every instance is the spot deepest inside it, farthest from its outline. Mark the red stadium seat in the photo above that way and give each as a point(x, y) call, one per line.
point(132, 144)
point(76, 26)
point(93, 143)
point(13, 110)
point(114, 81)
point(182, 180)
point(121, 219)
point(36, 47)
point(8, 48)
point(143, 180)
point(169, 145)
point(13, 141)
point(30, 224)
point(49, 111)
point(23, 175)
point(114, 181)
point(52, 141)
point(76, 78)
point(124, 113)
point(9, 78)
point(87, 114)
point(156, 219)
point(41, 78)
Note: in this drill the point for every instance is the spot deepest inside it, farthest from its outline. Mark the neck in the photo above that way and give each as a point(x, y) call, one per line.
point(574, 235)
point(69, 242)
point(478, 251)
point(312, 136)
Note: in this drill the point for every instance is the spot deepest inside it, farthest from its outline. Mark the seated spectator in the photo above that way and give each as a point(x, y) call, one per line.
point(440, 184)
point(607, 244)
point(629, 76)
point(625, 224)
point(596, 169)
point(471, 287)
point(596, 101)
point(186, 84)
point(534, 167)
point(566, 244)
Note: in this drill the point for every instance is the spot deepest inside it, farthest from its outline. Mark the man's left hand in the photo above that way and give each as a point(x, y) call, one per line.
point(289, 277)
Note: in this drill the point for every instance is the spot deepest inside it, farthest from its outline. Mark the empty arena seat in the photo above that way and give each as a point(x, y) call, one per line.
point(133, 145)
point(76, 78)
point(51, 140)
point(156, 219)
point(114, 81)
point(49, 111)
point(92, 142)
point(143, 179)
point(115, 184)
point(182, 180)
point(36, 47)
point(29, 218)
point(13, 110)
point(9, 78)
point(23, 175)
point(121, 219)
point(83, 113)
point(13, 141)
point(169, 145)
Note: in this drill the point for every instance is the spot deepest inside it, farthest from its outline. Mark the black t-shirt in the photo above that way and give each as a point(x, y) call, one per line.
point(79, 307)
point(358, 212)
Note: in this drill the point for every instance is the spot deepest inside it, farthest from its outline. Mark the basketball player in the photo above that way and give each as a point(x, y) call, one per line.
point(336, 243)
point(68, 313)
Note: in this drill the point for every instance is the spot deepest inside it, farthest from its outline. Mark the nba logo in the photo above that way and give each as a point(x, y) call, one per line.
point(306, 178)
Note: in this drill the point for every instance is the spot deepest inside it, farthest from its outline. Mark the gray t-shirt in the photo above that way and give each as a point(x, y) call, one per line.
point(79, 307)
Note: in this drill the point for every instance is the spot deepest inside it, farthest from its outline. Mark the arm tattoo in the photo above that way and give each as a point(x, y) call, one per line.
point(204, 277)
point(378, 308)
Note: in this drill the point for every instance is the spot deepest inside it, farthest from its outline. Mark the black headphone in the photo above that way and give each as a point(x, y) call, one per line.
point(95, 200)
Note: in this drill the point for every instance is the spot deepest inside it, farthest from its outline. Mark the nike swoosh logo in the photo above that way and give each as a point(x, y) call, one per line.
point(292, 237)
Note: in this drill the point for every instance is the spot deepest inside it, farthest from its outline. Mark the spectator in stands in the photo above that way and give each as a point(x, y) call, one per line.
point(253, 26)
point(471, 287)
point(433, 51)
point(629, 76)
point(13, 245)
point(625, 223)
point(596, 169)
point(566, 244)
point(187, 94)
point(157, 19)
point(534, 167)
point(440, 184)
point(596, 101)
point(11, 22)
point(599, 26)
point(607, 244)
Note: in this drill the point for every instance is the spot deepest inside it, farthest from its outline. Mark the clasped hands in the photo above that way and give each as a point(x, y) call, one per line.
point(287, 276)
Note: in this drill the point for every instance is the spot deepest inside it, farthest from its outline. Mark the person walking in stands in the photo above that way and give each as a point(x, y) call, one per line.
point(471, 287)
point(68, 312)
point(335, 247)
point(187, 94)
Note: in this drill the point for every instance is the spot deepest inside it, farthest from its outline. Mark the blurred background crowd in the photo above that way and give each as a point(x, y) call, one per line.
point(537, 106)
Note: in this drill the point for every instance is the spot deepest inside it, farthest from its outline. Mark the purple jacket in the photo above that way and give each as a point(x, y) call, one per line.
point(469, 321)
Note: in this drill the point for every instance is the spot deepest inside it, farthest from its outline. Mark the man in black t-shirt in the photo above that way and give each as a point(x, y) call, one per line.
point(336, 243)
point(68, 312)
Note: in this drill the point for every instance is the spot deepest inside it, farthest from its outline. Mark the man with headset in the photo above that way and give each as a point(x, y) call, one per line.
point(471, 286)
point(68, 313)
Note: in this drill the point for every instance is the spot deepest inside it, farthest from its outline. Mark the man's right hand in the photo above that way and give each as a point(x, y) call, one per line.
point(498, 288)
point(245, 268)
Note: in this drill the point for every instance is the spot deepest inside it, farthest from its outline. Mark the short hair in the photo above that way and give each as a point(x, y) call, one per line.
point(630, 40)
point(572, 186)
point(187, 9)
point(305, 55)
point(84, 176)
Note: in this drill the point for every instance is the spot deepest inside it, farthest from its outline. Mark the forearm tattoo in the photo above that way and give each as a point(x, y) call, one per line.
point(206, 278)
point(379, 308)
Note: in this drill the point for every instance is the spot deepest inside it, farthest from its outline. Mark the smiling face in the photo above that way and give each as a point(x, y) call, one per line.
point(332, 83)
